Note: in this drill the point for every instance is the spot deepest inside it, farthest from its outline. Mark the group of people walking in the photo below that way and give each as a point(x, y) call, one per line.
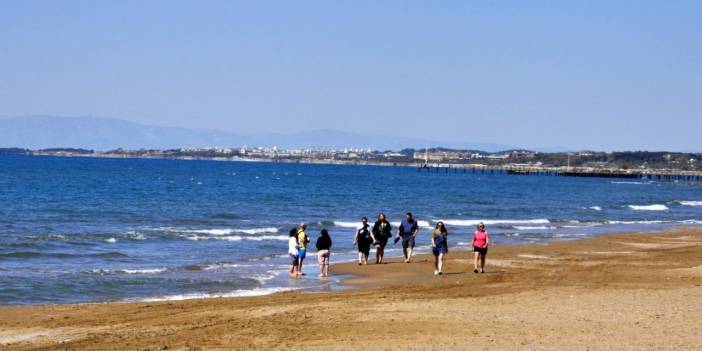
point(378, 236)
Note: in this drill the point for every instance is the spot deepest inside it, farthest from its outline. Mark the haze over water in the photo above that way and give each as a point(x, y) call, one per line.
point(77, 230)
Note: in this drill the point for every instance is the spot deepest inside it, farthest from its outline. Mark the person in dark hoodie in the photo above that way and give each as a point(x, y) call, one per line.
point(324, 243)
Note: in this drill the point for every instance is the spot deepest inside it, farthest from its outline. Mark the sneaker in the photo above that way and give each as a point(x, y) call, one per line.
point(436, 272)
point(475, 271)
point(482, 271)
point(441, 273)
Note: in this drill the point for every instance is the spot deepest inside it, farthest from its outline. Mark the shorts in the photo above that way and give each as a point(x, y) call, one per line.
point(294, 259)
point(439, 249)
point(323, 256)
point(408, 242)
point(364, 248)
point(481, 250)
point(302, 253)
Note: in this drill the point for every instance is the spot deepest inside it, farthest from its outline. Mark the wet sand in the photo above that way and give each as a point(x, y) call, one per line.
point(615, 292)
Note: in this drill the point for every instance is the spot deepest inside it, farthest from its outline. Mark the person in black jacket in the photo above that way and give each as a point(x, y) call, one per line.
point(364, 239)
point(323, 244)
point(382, 231)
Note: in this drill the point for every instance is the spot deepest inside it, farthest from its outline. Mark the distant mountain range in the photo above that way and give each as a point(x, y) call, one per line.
point(99, 133)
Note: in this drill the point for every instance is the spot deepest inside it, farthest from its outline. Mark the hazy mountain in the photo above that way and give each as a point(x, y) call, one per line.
point(98, 133)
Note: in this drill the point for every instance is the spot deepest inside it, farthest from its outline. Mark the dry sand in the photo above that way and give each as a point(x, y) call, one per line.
point(615, 292)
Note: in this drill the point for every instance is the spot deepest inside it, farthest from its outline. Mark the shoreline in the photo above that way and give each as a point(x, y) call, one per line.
point(633, 290)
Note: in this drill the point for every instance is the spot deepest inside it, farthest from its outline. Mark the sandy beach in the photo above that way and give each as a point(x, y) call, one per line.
point(636, 291)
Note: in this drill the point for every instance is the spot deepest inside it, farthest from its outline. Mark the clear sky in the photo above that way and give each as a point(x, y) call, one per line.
point(607, 75)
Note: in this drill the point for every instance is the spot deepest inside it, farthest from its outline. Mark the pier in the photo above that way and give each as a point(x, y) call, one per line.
point(670, 175)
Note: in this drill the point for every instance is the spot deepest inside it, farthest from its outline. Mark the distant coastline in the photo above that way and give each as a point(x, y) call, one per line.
point(629, 164)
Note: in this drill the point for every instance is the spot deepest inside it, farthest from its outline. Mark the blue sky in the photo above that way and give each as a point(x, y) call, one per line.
point(609, 75)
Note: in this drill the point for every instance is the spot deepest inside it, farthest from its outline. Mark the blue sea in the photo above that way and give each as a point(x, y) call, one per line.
point(91, 230)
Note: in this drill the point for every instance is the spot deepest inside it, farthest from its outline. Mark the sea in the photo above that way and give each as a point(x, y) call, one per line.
point(75, 230)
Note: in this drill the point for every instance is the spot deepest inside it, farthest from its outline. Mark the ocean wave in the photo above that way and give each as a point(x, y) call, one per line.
point(474, 222)
point(215, 266)
point(134, 235)
point(583, 225)
point(343, 224)
point(690, 221)
point(420, 223)
point(686, 221)
point(238, 238)
point(654, 207)
point(224, 231)
point(543, 227)
point(264, 277)
point(254, 231)
point(595, 208)
point(637, 222)
point(34, 254)
point(630, 182)
point(355, 225)
point(235, 293)
point(111, 240)
point(690, 203)
point(127, 271)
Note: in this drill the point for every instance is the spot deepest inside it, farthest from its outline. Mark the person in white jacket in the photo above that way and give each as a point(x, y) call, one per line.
point(293, 252)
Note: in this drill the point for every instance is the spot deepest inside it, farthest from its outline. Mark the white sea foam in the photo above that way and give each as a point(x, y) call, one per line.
point(343, 224)
point(346, 224)
point(111, 240)
point(635, 222)
point(134, 235)
point(691, 221)
point(238, 237)
point(219, 266)
point(223, 231)
point(687, 221)
point(582, 225)
point(254, 231)
point(690, 203)
point(230, 238)
point(127, 271)
point(145, 271)
point(473, 222)
point(421, 224)
point(235, 293)
point(542, 227)
point(211, 231)
point(267, 238)
point(595, 208)
point(655, 207)
point(263, 278)
point(630, 182)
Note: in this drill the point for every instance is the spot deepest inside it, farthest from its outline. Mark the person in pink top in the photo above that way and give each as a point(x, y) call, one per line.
point(481, 239)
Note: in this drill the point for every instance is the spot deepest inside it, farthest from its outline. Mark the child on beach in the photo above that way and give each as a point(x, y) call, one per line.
point(481, 239)
point(439, 247)
point(302, 241)
point(323, 245)
point(364, 239)
point(292, 252)
point(382, 231)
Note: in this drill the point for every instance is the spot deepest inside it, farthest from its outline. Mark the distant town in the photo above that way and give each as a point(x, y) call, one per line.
point(593, 163)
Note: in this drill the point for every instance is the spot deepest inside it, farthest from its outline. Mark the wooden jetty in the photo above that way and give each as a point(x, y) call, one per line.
point(644, 174)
